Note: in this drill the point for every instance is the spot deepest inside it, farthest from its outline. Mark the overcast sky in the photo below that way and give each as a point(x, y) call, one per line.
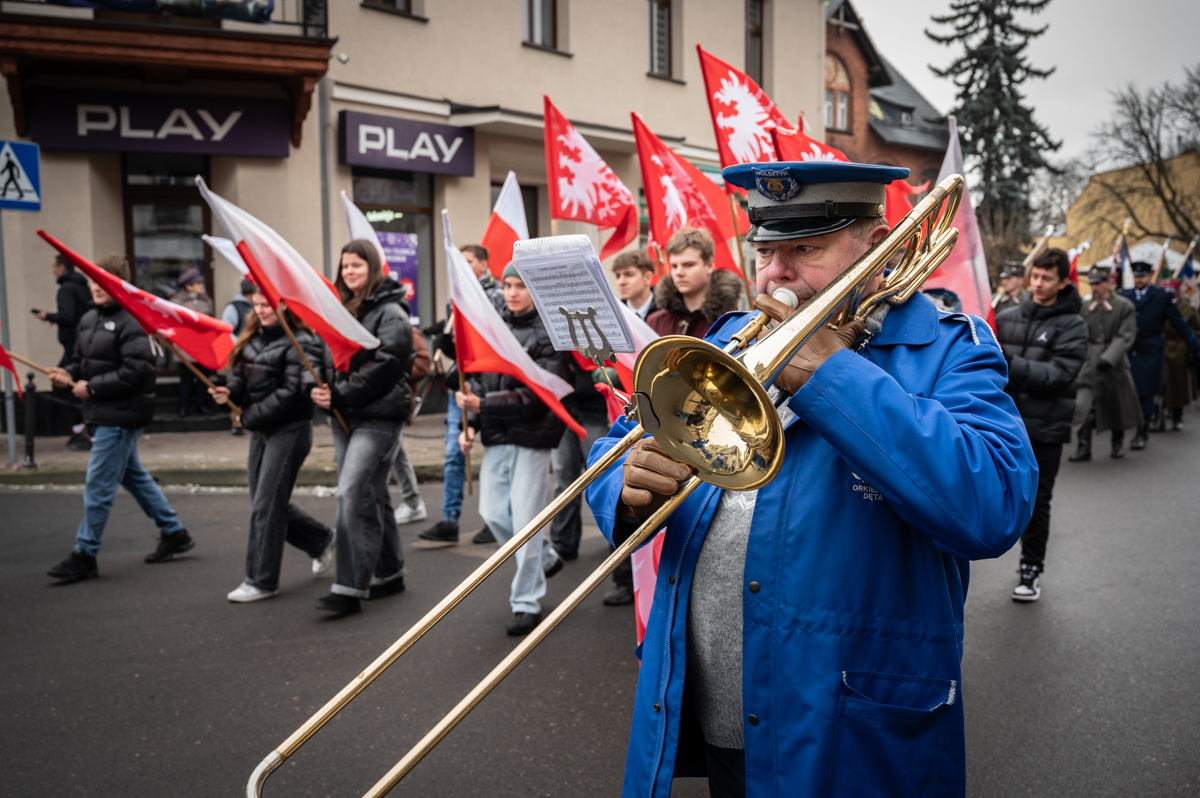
point(1097, 46)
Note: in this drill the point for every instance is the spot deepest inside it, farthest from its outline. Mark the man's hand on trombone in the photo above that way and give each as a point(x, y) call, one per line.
point(651, 477)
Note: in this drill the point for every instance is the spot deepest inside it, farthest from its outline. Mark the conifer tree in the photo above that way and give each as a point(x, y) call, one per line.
point(998, 130)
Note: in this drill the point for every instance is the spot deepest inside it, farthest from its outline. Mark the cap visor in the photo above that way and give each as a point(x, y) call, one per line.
point(785, 229)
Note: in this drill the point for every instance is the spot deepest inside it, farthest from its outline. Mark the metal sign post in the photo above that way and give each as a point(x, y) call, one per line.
point(20, 189)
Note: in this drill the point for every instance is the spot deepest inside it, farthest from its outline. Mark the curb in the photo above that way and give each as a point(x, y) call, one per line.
point(310, 475)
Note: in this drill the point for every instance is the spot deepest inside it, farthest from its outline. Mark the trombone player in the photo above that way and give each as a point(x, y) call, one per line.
point(806, 638)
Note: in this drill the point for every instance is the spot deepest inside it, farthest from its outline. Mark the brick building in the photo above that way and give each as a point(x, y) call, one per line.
point(872, 113)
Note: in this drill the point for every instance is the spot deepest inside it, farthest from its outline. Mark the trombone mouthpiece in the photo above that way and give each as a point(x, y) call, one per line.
point(787, 296)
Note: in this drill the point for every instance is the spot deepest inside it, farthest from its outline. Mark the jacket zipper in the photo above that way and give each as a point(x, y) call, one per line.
point(662, 745)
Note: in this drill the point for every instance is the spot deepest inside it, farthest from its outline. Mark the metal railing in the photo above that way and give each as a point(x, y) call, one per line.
point(304, 18)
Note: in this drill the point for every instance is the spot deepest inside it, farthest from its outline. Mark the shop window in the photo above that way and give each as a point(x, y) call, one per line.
point(837, 94)
point(754, 40)
point(399, 205)
point(540, 22)
point(164, 219)
point(660, 37)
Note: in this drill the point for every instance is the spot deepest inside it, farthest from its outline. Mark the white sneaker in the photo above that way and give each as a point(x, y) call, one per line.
point(410, 515)
point(321, 564)
point(246, 592)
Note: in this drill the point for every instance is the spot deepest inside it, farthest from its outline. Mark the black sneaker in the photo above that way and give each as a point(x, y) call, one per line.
point(79, 443)
point(237, 432)
point(619, 596)
point(77, 567)
point(553, 569)
point(387, 589)
point(339, 605)
point(1030, 587)
point(1139, 439)
point(170, 545)
point(522, 623)
point(565, 553)
point(484, 536)
point(441, 532)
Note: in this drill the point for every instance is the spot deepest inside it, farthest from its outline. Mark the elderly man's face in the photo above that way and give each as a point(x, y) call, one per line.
point(807, 265)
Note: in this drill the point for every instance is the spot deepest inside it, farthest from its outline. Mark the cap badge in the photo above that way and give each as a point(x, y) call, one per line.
point(776, 184)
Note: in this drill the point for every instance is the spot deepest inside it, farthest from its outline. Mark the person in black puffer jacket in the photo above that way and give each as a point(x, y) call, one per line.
point(1045, 343)
point(520, 432)
point(374, 397)
point(267, 382)
point(114, 369)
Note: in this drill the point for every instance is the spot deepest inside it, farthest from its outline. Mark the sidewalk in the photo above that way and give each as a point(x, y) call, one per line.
point(218, 458)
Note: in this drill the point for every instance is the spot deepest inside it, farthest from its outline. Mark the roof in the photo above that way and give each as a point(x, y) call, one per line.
point(901, 116)
point(848, 18)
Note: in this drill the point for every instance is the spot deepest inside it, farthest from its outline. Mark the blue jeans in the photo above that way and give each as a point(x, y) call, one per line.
point(455, 467)
point(114, 462)
point(514, 485)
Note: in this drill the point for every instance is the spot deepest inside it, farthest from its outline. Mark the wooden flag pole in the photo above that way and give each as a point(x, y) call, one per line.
point(203, 377)
point(1158, 264)
point(553, 226)
point(33, 365)
point(280, 313)
point(741, 258)
point(1037, 250)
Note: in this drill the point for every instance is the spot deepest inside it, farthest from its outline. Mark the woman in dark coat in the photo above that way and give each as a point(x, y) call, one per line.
point(373, 396)
point(267, 384)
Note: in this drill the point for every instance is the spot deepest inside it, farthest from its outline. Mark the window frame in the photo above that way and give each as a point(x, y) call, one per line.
point(754, 33)
point(842, 112)
point(530, 22)
point(652, 28)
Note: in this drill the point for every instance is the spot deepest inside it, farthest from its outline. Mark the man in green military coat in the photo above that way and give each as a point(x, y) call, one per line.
point(1012, 288)
point(1107, 397)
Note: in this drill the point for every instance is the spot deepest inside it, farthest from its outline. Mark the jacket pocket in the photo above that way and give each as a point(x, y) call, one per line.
point(889, 732)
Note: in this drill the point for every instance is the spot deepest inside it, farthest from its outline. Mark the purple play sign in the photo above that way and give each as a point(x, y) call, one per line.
point(400, 249)
point(161, 123)
point(390, 142)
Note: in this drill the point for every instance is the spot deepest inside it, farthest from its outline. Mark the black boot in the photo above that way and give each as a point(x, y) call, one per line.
point(339, 605)
point(1159, 422)
point(77, 567)
point(1176, 419)
point(1118, 444)
point(170, 545)
point(1139, 438)
point(1084, 453)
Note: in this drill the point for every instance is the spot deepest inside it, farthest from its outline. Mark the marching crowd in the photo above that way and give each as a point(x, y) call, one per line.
point(1075, 364)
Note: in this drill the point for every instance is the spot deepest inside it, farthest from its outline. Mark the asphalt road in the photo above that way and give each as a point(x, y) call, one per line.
point(147, 682)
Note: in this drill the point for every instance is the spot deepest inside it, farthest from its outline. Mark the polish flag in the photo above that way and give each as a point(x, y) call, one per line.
point(358, 227)
point(228, 250)
point(6, 363)
point(793, 144)
point(582, 186)
point(206, 340)
point(675, 195)
point(283, 275)
point(484, 343)
point(896, 199)
point(965, 271)
point(645, 575)
point(1073, 256)
point(743, 116)
point(506, 227)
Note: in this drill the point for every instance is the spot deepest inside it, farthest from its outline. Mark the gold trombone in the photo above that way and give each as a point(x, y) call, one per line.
point(707, 409)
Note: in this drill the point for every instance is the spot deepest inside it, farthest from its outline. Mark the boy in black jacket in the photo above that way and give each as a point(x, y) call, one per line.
point(1045, 343)
point(114, 372)
point(520, 432)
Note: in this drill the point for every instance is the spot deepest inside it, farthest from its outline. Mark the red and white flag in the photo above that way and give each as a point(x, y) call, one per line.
point(6, 363)
point(358, 227)
point(283, 275)
point(206, 340)
point(484, 343)
point(965, 271)
point(675, 195)
point(793, 144)
point(1073, 256)
point(582, 186)
point(506, 226)
point(743, 116)
point(896, 199)
point(645, 575)
point(228, 250)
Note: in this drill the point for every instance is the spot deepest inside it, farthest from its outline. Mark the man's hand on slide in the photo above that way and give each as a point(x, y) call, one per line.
point(824, 344)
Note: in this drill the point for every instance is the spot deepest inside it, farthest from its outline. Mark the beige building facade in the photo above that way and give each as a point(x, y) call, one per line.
point(386, 86)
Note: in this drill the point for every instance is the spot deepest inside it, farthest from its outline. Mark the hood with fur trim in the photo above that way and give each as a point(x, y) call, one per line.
point(724, 295)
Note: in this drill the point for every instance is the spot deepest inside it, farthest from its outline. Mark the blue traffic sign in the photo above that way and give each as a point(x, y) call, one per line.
point(20, 176)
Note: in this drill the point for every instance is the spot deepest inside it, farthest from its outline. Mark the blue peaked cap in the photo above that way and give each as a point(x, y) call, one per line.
point(798, 199)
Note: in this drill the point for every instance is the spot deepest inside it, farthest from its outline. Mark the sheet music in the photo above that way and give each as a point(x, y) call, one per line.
point(565, 272)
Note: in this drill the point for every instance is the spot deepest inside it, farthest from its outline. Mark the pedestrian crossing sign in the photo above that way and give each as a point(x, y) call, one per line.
point(20, 176)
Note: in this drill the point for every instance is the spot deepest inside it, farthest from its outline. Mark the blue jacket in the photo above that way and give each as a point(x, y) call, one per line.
point(1154, 309)
point(904, 462)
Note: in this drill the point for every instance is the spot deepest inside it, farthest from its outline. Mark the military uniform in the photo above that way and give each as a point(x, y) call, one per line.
point(1002, 301)
point(1107, 398)
point(1179, 387)
point(1155, 307)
